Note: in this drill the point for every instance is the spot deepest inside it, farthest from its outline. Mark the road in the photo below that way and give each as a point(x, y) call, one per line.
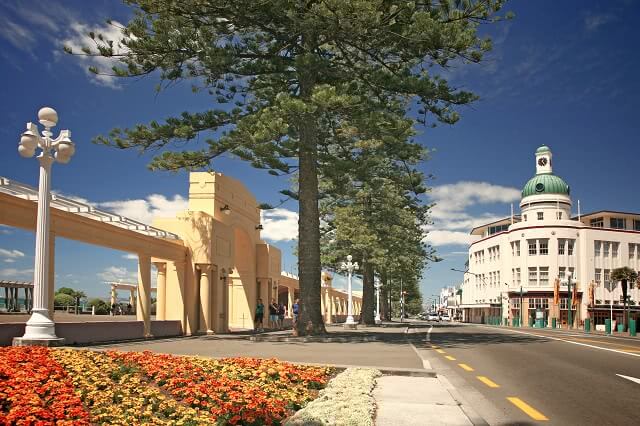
point(531, 376)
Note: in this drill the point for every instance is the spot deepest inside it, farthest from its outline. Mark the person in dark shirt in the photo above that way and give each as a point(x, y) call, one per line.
point(258, 318)
point(273, 314)
point(281, 312)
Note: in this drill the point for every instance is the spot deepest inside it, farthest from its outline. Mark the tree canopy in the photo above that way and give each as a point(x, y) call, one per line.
point(289, 81)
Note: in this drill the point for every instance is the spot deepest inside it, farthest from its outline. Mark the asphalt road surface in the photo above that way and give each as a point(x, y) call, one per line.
point(531, 376)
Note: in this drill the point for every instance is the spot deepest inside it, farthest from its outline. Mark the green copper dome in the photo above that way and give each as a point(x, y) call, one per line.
point(542, 149)
point(545, 184)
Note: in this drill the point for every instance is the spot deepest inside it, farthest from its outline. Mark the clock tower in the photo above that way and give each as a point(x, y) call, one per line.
point(543, 160)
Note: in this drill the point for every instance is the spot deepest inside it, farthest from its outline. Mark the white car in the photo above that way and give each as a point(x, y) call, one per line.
point(431, 316)
point(445, 317)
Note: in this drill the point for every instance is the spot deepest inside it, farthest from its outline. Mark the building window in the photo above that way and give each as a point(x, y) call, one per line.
point(544, 276)
point(540, 216)
point(597, 248)
point(605, 248)
point(561, 272)
point(518, 279)
point(632, 250)
point(515, 248)
point(525, 217)
point(559, 215)
point(544, 247)
point(561, 243)
point(597, 222)
point(636, 225)
point(598, 277)
point(614, 250)
point(498, 228)
point(533, 276)
point(570, 244)
point(515, 303)
point(498, 279)
point(607, 278)
point(533, 247)
point(617, 222)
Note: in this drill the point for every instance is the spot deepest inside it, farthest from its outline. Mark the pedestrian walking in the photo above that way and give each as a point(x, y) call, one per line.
point(258, 318)
point(281, 312)
point(273, 314)
point(296, 310)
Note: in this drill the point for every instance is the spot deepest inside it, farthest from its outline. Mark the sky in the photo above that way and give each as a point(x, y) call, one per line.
point(562, 74)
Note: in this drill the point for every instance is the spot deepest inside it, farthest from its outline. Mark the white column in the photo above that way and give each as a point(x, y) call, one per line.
point(52, 273)
point(161, 291)
point(290, 301)
point(205, 299)
point(349, 301)
point(143, 305)
point(40, 326)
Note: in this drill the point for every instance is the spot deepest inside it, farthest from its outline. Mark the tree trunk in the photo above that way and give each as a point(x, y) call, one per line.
point(310, 315)
point(368, 295)
point(384, 297)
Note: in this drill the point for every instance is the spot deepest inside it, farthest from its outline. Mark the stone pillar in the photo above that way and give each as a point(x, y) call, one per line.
point(114, 295)
point(143, 306)
point(132, 294)
point(161, 290)
point(290, 302)
point(204, 325)
point(220, 300)
point(323, 305)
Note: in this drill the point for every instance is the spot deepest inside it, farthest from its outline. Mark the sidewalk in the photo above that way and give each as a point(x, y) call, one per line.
point(418, 401)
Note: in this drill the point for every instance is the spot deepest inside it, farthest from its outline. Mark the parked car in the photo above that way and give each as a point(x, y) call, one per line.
point(445, 317)
point(432, 316)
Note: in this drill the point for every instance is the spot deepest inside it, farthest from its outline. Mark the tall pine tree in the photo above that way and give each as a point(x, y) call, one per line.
point(281, 66)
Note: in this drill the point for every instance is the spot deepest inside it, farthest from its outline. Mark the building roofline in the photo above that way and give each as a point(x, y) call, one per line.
point(604, 211)
point(494, 222)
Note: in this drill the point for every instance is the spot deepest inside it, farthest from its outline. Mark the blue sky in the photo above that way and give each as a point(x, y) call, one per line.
point(562, 74)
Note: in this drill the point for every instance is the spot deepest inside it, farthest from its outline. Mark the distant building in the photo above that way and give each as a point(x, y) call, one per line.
point(529, 252)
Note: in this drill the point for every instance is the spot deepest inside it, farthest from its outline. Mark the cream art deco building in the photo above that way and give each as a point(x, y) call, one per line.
point(515, 262)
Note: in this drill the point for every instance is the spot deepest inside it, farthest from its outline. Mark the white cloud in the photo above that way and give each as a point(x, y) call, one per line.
point(593, 22)
point(117, 273)
point(130, 256)
point(11, 254)
point(452, 221)
point(9, 260)
point(279, 225)
point(16, 34)
point(155, 205)
point(16, 274)
point(79, 38)
point(5, 230)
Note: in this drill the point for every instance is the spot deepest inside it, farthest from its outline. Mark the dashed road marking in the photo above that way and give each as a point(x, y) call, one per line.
point(488, 381)
point(529, 410)
point(440, 351)
point(465, 367)
point(450, 358)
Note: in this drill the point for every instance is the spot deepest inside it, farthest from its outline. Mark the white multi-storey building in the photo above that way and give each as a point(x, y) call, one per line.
point(516, 261)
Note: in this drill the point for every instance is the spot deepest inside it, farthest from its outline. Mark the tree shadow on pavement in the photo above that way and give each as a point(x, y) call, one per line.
point(470, 339)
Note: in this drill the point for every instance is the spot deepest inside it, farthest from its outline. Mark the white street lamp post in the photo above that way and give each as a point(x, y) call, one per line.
point(378, 286)
point(349, 267)
point(40, 329)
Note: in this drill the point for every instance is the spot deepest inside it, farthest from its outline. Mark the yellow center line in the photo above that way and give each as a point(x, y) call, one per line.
point(529, 410)
point(440, 351)
point(450, 358)
point(435, 347)
point(465, 367)
point(488, 382)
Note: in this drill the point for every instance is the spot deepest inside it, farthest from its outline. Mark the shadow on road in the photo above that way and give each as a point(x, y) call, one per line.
point(455, 336)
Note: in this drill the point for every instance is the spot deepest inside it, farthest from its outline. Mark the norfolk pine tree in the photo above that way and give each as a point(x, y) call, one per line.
point(274, 68)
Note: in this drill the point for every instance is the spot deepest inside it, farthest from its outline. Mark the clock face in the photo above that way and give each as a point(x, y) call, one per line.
point(543, 161)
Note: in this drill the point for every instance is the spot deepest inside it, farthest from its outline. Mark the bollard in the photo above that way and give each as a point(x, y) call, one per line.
point(587, 325)
point(607, 326)
point(93, 309)
point(620, 328)
point(632, 327)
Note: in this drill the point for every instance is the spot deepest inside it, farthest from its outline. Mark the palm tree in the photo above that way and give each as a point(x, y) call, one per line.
point(627, 278)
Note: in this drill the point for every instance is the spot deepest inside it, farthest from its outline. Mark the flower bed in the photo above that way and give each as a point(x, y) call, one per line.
point(346, 401)
point(120, 388)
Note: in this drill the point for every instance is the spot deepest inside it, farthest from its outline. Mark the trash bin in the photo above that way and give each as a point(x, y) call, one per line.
point(554, 322)
point(587, 325)
point(632, 327)
point(607, 326)
point(620, 328)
